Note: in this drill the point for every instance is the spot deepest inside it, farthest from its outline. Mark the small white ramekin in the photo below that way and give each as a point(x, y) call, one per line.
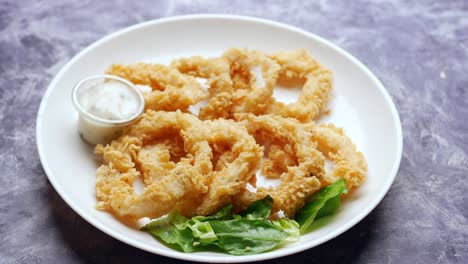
point(93, 129)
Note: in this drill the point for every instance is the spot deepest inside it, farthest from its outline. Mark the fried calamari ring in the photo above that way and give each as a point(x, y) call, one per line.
point(235, 165)
point(189, 183)
point(298, 64)
point(349, 163)
point(241, 81)
point(185, 181)
point(217, 73)
point(171, 90)
point(215, 70)
point(279, 158)
point(219, 106)
point(254, 76)
point(157, 159)
point(299, 181)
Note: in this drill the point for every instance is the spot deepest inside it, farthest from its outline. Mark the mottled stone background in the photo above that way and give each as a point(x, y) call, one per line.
point(419, 49)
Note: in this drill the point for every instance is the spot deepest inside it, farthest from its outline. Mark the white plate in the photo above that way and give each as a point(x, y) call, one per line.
point(360, 104)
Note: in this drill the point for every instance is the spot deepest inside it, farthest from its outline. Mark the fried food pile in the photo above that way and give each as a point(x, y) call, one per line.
point(197, 164)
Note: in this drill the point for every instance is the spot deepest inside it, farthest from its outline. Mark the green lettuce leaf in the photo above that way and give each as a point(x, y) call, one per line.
point(178, 220)
point(223, 214)
point(250, 232)
point(247, 236)
point(203, 232)
point(260, 209)
point(323, 203)
point(289, 226)
point(176, 236)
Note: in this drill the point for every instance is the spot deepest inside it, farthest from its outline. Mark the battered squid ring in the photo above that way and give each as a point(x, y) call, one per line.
point(215, 70)
point(279, 158)
point(298, 64)
point(114, 179)
point(171, 90)
point(349, 163)
point(299, 181)
point(241, 81)
point(258, 74)
point(236, 165)
point(189, 185)
point(217, 73)
point(157, 159)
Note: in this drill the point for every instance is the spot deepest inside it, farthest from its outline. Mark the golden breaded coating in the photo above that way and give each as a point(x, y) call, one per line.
point(241, 81)
point(279, 158)
point(158, 158)
point(114, 179)
point(315, 92)
point(176, 178)
point(219, 106)
point(260, 73)
point(299, 181)
point(349, 163)
point(171, 90)
point(234, 168)
point(215, 70)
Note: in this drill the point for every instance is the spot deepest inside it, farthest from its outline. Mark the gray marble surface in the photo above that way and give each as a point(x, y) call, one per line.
point(419, 49)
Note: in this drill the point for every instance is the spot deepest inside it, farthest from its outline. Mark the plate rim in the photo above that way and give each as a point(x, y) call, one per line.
point(222, 259)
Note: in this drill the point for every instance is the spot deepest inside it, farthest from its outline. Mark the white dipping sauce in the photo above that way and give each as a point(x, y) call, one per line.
point(111, 100)
point(107, 103)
